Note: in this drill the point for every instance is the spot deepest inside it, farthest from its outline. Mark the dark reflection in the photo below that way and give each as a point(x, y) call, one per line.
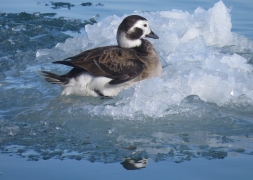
point(134, 164)
point(90, 4)
point(58, 5)
point(86, 4)
point(99, 4)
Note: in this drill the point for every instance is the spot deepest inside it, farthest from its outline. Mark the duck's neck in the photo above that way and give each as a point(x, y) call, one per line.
point(145, 47)
point(125, 42)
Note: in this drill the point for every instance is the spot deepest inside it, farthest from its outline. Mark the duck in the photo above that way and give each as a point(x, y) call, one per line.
point(105, 71)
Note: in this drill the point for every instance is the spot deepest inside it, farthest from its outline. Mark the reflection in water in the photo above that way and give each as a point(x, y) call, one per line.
point(158, 140)
point(134, 164)
point(58, 5)
point(86, 4)
point(90, 4)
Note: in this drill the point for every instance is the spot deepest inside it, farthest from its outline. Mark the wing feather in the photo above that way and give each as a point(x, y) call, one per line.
point(119, 64)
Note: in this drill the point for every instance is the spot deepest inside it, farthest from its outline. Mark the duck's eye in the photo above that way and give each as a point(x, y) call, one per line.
point(145, 25)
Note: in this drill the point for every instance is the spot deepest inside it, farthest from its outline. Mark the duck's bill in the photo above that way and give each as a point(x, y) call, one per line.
point(152, 35)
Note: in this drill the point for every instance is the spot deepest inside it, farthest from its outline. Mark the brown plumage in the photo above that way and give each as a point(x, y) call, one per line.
point(119, 64)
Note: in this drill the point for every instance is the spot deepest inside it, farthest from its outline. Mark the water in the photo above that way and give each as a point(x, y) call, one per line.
point(200, 109)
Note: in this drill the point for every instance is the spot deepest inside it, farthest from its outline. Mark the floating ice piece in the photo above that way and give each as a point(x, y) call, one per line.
point(19, 28)
point(10, 130)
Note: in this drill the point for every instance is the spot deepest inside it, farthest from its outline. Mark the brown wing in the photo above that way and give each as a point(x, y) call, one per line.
point(119, 64)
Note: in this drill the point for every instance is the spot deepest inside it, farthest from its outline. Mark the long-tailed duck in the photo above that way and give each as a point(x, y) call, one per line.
point(105, 71)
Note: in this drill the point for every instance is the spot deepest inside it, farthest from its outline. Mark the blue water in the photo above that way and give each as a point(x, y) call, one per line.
point(231, 168)
point(195, 122)
point(241, 10)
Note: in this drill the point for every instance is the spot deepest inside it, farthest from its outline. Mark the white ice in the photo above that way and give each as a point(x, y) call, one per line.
point(199, 53)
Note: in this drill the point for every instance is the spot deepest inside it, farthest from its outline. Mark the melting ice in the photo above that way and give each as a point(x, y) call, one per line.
point(199, 53)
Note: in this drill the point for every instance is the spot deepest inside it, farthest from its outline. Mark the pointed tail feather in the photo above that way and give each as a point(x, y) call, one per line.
point(54, 78)
point(67, 63)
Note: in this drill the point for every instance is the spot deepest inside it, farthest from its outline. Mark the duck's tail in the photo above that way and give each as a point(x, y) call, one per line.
point(54, 78)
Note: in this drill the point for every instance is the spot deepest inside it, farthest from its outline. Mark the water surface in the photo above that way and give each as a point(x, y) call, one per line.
point(198, 115)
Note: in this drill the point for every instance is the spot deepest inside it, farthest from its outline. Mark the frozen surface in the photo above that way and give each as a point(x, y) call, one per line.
point(201, 106)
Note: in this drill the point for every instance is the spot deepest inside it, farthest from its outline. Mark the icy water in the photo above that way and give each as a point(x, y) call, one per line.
point(193, 122)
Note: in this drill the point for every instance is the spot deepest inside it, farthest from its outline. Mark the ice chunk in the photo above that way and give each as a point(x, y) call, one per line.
point(235, 61)
point(19, 28)
point(190, 34)
point(218, 28)
point(10, 130)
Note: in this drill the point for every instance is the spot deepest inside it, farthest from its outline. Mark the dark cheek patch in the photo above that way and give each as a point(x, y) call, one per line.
point(136, 34)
